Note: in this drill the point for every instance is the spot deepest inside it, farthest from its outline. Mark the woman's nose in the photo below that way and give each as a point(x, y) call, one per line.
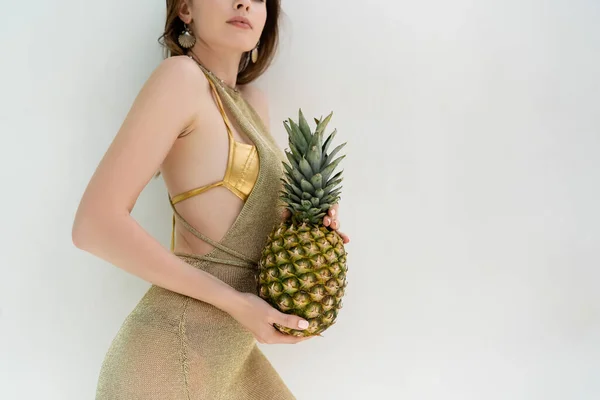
point(242, 4)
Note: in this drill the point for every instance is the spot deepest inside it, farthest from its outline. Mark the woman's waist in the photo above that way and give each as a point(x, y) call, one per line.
point(239, 274)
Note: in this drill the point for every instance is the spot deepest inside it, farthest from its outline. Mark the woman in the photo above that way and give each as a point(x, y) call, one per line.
point(199, 122)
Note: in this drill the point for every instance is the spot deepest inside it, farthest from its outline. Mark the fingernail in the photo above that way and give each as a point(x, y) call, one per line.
point(333, 212)
point(303, 324)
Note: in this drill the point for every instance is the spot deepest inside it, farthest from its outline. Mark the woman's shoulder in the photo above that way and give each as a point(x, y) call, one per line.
point(179, 68)
point(179, 77)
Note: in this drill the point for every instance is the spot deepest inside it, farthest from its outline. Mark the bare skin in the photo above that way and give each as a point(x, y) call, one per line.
point(200, 158)
point(176, 99)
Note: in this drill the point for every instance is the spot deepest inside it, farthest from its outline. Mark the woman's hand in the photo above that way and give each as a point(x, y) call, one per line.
point(331, 220)
point(258, 316)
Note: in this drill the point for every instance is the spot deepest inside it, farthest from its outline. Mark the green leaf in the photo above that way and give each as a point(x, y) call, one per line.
point(334, 177)
point(294, 189)
point(331, 199)
point(332, 186)
point(328, 171)
point(294, 198)
point(292, 160)
point(306, 169)
point(306, 186)
point(333, 153)
point(295, 152)
point(288, 129)
point(313, 140)
point(295, 137)
point(317, 181)
point(324, 123)
point(306, 205)
point(336, 191)
point(332, 189)
point(303, 125)
point(329, 140)
point(291, 134)
point(293, 174)
point(325, 207)
point(288, 178)
point(286, 200)
point(314, 158)
point(319, 217)
point(298, 137)
point(314, 211)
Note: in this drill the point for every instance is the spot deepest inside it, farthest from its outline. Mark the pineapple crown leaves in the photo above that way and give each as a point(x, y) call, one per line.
point(309, 187)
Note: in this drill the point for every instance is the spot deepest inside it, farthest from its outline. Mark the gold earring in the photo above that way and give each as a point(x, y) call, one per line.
point(186, 38)
point(254, 53)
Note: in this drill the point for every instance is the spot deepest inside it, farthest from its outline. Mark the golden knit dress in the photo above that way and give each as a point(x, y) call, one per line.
point(174, 347)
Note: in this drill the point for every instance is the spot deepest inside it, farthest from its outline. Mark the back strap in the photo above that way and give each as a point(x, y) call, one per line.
point(190, 193)
point(248, 261)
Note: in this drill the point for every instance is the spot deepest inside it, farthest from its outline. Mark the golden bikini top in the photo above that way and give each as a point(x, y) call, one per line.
point(240, 175)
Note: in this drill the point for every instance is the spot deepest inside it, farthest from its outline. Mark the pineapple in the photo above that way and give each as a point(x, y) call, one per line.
point(302, 269)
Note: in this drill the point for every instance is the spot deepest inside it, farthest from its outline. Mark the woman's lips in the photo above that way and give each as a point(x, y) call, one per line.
point(240, 24)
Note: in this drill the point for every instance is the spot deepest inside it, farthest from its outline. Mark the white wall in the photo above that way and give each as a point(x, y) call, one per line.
point(471, 192)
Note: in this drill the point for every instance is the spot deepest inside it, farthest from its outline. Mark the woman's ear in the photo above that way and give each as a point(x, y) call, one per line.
point(185, 11)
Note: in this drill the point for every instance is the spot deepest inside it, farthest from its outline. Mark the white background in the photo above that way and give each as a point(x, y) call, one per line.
point(471, 192)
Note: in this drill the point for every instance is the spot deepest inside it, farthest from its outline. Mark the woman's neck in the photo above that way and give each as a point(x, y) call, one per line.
point(223, 66)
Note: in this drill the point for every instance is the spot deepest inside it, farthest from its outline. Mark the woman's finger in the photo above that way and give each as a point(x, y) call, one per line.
point(345, 237)
point(333, 210)
point(290, 320)
point(282, 338)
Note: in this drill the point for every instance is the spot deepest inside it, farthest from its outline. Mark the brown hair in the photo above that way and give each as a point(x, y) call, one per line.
point(269, 41)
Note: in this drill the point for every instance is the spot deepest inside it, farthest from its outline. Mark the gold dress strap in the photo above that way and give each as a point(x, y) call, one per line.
point(194, 192)
point(244, 260)
point(221, 108)
point(248, 261)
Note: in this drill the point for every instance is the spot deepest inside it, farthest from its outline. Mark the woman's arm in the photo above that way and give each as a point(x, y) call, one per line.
point(165, 107)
